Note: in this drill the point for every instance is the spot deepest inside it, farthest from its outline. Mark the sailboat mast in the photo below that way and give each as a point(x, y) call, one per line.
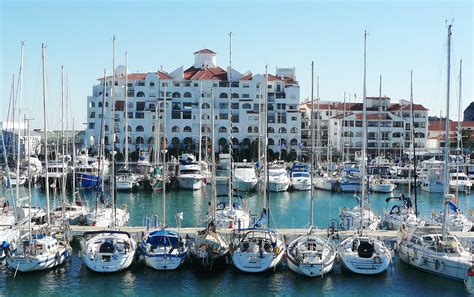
point(164, 155)
point(446, 143)
point(18, 107)
point(265, 143)
point(379, 138)
point(126, 111)
point(342, 128)
point(414, 148)
point(112, 128)
point(311, 215)
point(364, 132)
point(74, 158)
point(459, 129)
point(318, 132)
point(45, 125)
point(63, 175)
point(200, 124)
point(29, 175)
point(213, 161)
point(230, 119)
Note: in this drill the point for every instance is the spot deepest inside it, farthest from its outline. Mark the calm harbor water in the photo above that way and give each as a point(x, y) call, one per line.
point(289, 210)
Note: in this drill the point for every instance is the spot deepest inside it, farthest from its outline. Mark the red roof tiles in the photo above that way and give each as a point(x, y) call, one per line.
point(216, 73)
point(397, 106)
point(205, 51)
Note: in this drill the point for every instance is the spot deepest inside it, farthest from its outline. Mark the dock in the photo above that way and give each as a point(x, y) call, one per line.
point(137, 232)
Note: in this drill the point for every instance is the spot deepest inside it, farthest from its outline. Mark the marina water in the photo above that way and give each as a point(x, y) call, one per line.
point(288, 210)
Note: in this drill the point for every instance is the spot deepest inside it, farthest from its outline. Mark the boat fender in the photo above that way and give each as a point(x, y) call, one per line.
point(438, 265)
point(421, 261)
point(148, 247)
point(395, 246)
point(277, 250)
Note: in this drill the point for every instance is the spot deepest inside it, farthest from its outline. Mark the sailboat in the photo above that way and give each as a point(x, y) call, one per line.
point(260, 248)
point(109, 250)
point(360, 253)
point(309, 254)
point(433, 249)
point(164, 249)
point(46, 249)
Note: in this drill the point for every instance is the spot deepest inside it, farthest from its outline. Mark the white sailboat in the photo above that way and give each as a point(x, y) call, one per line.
point(164, 249)
point(360, 253)
point(47, 249)
point(260, 248)
point(107, 250)
point(309, 254)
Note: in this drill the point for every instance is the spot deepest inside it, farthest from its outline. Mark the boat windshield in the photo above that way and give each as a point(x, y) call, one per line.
point(300, 174)
point(189, 171)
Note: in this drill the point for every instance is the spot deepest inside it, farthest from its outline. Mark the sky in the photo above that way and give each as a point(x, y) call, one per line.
point(402, 35)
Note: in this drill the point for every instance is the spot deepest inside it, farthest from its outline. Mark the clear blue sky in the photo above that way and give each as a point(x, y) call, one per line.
point(403, 35)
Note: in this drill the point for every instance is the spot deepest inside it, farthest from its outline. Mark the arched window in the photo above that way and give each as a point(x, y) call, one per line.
point(294, 142)
point(205, 106)
point(117, 138)
point(187, 129)
point(129, 140)
point(151, 140)
point(99, 104)
point(282, 130)
point(205, 129)
point(222, 141)
point(294, 130)
point(223, 95)
point(176, 95)
point(235, 141)
point(235, 130)
point(188, 140)
point(139, 140)
point(106, 140)
point(249, 130)
point(282, 141)
point(106, 127)
point(129, 129)
point(187, 95)
point(222, 130)
point(270, 130)
point(139, 128)
point(235, 95)
point(175, 141)
point(255, 129)
point(140, 94)
point(246, 106)
point(175, 129)
point(246, 141)
point(271, 141)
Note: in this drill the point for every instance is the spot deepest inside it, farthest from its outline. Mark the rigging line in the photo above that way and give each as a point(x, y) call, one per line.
point(436, 86)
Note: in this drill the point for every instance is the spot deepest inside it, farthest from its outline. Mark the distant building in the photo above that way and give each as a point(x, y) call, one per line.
point(237, 104)
point(10, 140)
point(437, 132)
point(388, 125)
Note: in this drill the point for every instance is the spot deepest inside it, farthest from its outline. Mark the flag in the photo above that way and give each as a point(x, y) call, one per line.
point(452, 206)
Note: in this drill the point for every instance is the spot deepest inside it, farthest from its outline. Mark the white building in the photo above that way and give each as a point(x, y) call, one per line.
point(388, 126)
point(10, 139)
point(237, 101)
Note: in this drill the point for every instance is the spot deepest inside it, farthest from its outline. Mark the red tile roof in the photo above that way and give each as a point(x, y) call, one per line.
point(135, 76)
point(287, 80)
point(453, 125)
point(397, 106)
point(248, 76)
point(205, 51)
point(216, 73)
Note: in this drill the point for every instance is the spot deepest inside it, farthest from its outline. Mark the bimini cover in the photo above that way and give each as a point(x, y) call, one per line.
point(365, 250)
point(107, 248)
point(162, 238)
